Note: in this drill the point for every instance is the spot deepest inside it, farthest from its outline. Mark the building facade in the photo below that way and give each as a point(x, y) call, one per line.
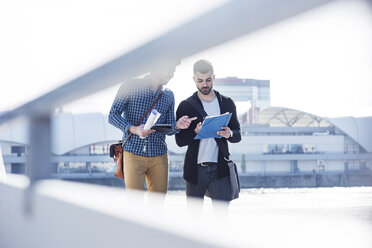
point(276, 143)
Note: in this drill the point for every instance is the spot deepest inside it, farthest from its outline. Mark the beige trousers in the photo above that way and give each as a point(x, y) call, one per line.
point(154, 169)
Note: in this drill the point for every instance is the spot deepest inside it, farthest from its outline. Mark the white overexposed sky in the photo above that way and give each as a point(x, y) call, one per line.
point(318, 62)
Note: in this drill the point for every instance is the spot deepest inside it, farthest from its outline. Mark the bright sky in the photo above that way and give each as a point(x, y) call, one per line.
point(319, 62)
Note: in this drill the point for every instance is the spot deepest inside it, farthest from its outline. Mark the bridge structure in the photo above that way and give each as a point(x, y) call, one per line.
point(284, 143)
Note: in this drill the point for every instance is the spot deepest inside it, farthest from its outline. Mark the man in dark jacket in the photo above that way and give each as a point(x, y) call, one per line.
point(205, 167)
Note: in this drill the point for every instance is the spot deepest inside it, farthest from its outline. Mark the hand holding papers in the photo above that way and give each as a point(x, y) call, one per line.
point(213, 124)
point(144, 130)
point(154, 116)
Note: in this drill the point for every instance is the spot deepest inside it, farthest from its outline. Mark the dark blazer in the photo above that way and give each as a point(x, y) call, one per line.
point(186, 136)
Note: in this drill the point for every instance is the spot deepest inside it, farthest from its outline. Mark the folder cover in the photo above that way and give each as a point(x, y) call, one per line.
point(212, 124)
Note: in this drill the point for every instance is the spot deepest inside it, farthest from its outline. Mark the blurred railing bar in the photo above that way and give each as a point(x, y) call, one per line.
point(232, 20)
point(224, 23)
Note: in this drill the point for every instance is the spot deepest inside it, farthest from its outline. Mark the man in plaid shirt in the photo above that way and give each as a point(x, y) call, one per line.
point(145, 153)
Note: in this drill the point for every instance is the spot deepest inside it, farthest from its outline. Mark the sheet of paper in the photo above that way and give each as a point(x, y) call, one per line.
point(153, 118)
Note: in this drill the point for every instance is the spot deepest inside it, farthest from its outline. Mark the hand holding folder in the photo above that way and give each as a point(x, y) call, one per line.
point(213, 124)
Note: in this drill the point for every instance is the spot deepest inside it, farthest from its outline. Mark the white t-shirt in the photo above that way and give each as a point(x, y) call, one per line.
point(208, 149)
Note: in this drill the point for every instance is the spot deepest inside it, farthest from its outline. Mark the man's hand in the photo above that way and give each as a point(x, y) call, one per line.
point(184, 122)
point(198, 127)
point(140, 131)
point(226, 132)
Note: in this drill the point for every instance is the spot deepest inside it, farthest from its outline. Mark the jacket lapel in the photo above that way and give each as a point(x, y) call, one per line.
point(222, 107)
point(197, 104)
point(200, 105)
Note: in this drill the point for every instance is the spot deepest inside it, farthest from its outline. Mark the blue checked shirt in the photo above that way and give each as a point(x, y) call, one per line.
point(130, 105)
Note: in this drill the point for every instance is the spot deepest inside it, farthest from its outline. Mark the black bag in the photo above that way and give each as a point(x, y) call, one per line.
point(234, 180)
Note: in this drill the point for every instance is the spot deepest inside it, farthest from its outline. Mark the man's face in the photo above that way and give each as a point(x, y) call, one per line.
point(163, 75)
point(204, 82)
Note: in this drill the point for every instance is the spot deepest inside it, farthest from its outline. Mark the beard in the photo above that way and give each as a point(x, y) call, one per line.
point(164, 82)
point(205, 90)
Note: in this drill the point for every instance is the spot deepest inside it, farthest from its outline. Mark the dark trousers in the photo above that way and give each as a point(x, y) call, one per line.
point(208, 184)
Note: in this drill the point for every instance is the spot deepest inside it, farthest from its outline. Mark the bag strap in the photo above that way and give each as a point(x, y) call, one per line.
point(201, 111)
point(144, 115)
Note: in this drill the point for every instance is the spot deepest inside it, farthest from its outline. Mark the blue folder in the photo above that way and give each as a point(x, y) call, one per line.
point(212, 124)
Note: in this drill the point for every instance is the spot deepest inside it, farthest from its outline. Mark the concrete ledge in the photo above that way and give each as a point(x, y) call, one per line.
point(63, 214)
